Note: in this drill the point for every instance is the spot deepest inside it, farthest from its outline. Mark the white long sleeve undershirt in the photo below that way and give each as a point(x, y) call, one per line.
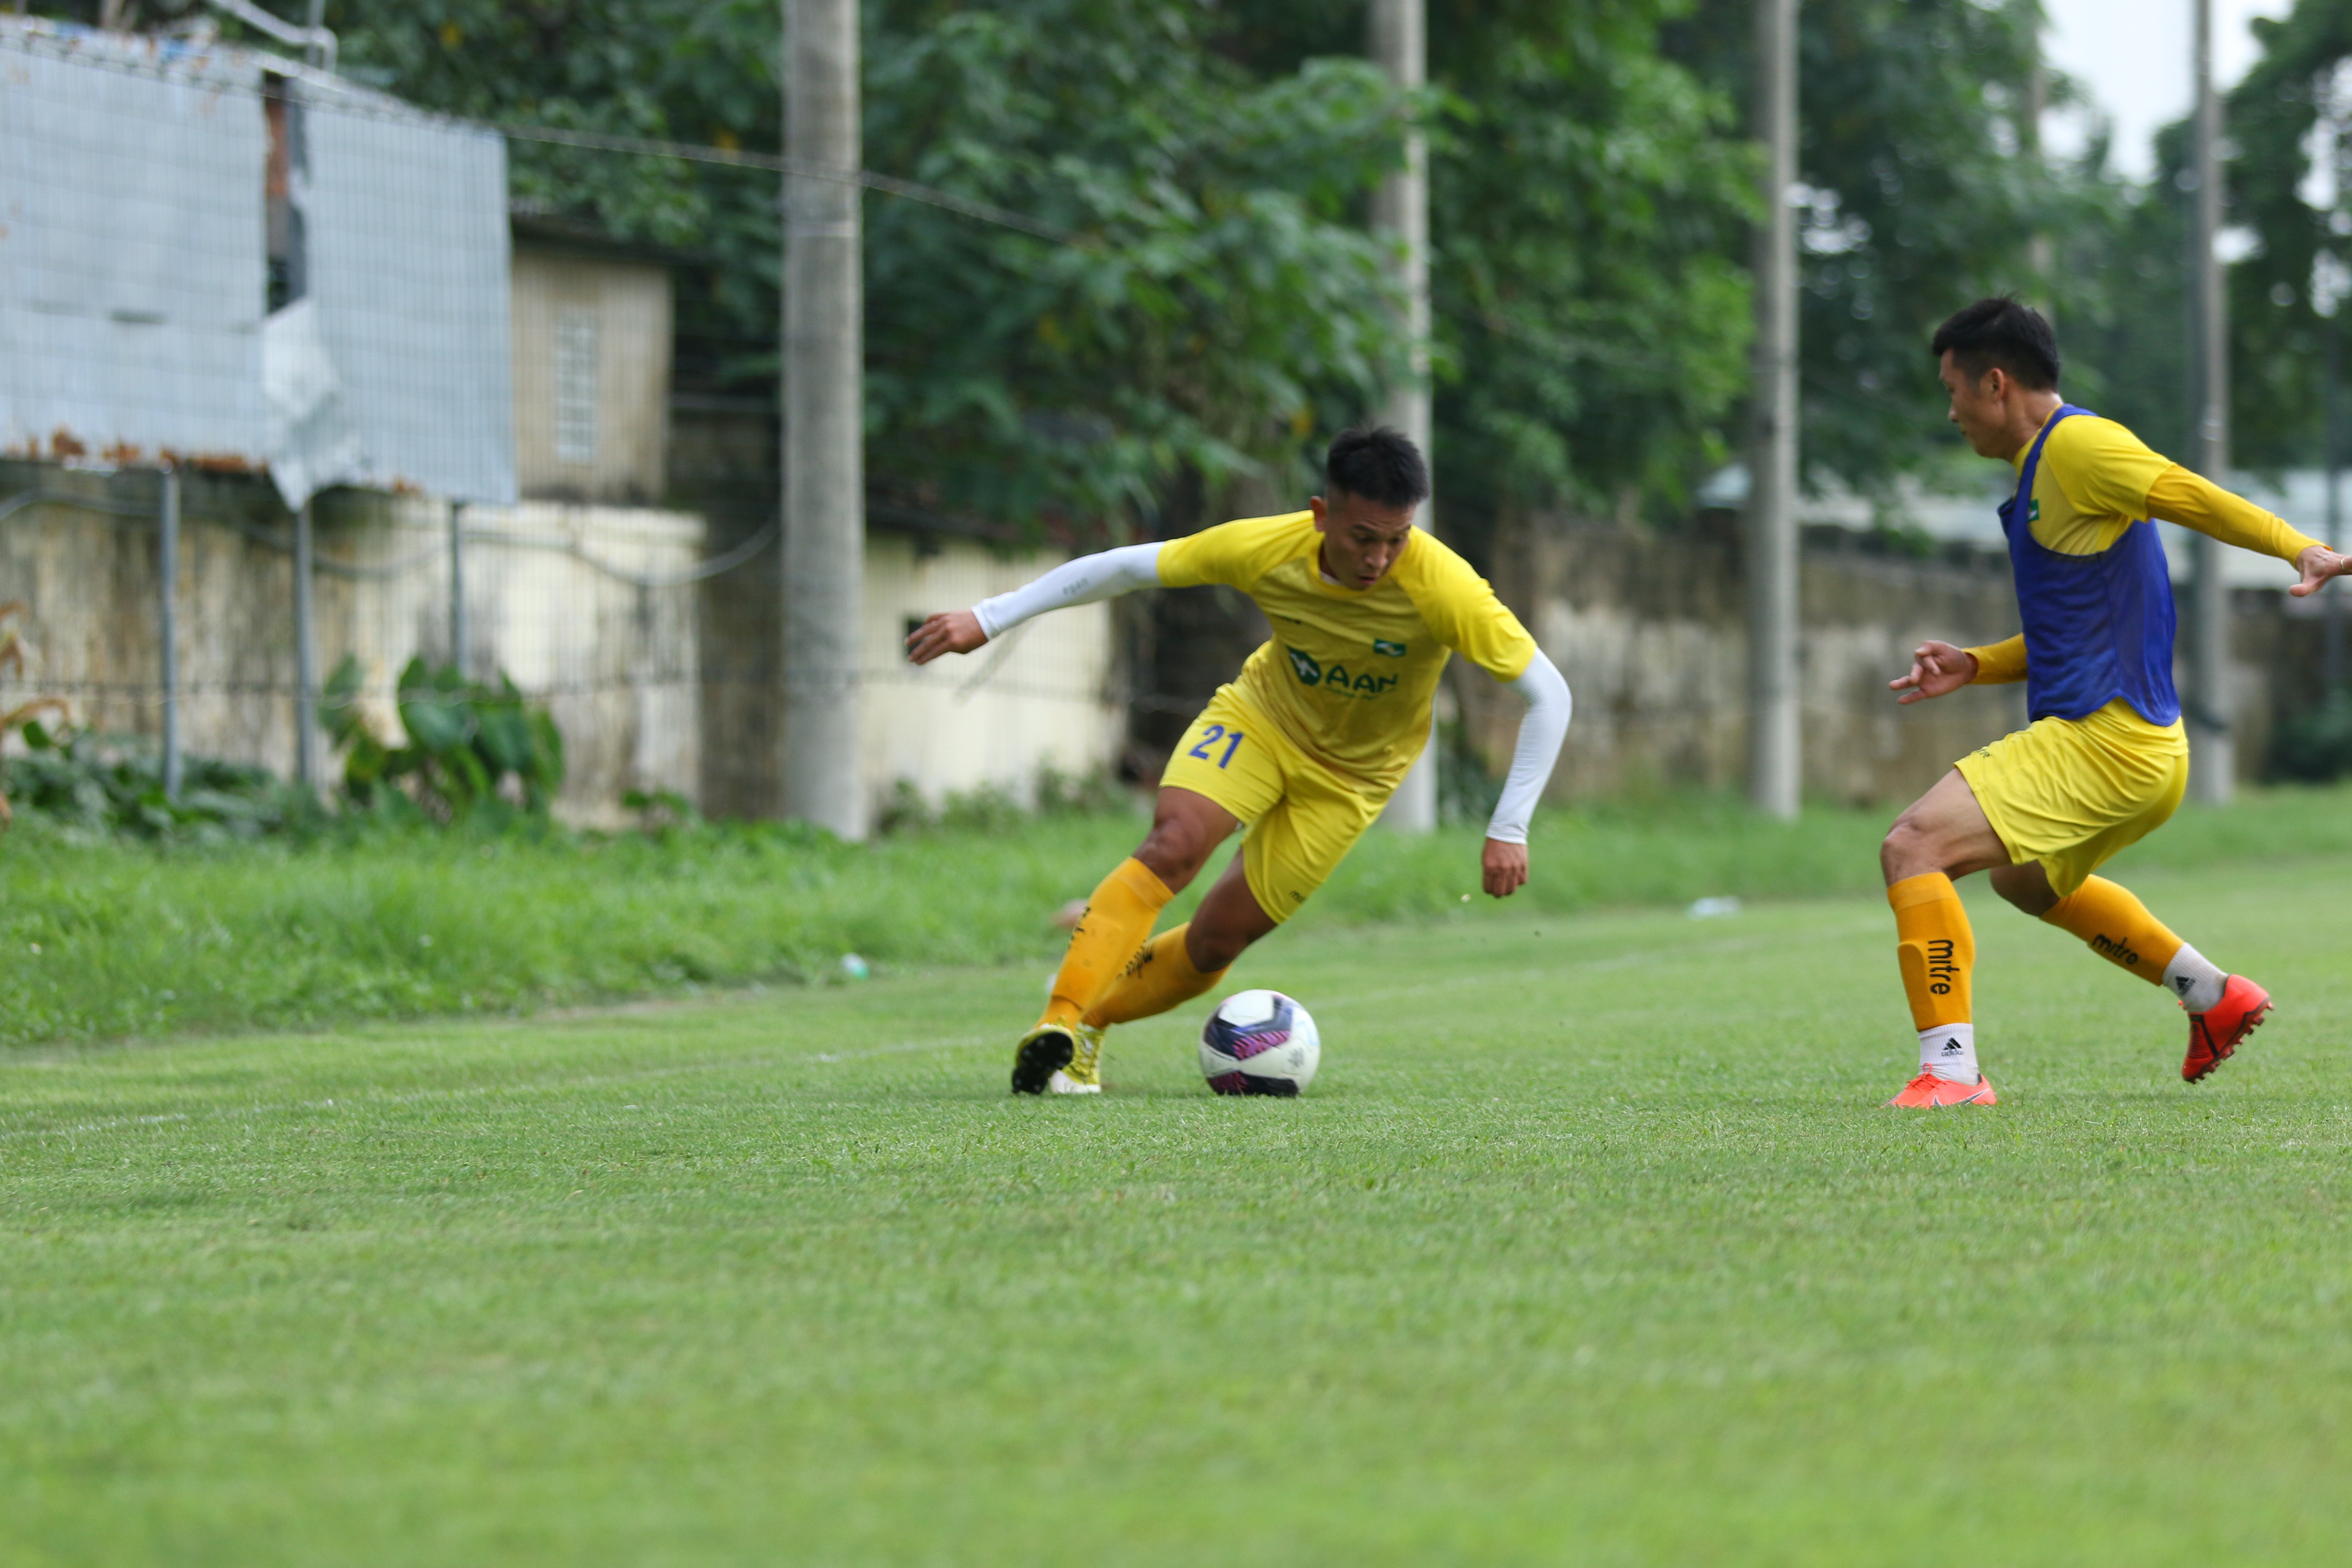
point(1088, 580)
point(1541, 729)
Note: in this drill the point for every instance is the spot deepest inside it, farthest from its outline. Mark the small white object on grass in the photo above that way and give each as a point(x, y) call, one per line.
point(1713, 908)
point(854, 967)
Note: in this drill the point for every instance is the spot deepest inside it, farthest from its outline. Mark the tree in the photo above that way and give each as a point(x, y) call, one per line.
point(1219, 305)
point(2278, 335)
point(1588, 197)
point(1918, 200)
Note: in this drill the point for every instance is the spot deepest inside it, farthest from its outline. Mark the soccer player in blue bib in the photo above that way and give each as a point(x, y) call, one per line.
point(2103, 761)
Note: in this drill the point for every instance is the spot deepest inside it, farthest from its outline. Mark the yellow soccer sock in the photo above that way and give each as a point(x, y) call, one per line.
point(1161, 977)
point(1938, 953)
point(2119, 928)
point(1117, 923)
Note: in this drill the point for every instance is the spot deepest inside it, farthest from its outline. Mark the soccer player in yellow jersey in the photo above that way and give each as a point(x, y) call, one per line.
point(2103, 761)
point(1302, 751)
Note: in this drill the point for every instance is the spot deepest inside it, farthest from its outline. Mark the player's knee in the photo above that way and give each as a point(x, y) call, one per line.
point(1908, 850)
point(1175, 849)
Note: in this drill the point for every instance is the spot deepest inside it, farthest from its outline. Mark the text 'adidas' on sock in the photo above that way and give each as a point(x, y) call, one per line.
point(1949, 1051)
point(2192, 977)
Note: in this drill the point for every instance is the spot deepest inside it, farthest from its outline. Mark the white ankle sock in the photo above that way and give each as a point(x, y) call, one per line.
point(2192, 977)
point(1949, 1052)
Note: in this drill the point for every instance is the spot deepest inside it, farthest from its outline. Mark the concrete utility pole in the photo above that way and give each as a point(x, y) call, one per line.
point(461, 652)
point(1396, 35)
point(2028, 138)
point(306, 656)
point(167, 580)
point(1775, 757)
point(2212, 761)
point(306, 649)
point(824, 405)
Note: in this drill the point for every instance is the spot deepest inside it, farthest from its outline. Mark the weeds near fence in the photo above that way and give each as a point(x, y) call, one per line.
point(989, 809)
point(461, 742)
point(385, 920)
point(25, 717)
point(93, 786)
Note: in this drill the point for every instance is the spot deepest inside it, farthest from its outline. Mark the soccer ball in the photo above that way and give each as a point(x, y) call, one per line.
point(1260, 1042)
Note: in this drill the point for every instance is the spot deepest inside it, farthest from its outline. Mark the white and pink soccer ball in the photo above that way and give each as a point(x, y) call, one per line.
point(1260, 1042)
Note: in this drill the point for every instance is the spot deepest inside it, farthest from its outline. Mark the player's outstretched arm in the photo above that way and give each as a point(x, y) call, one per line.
point(2195, 501)
point(1088, 580)
point(1503, 862)
point(1937, 668)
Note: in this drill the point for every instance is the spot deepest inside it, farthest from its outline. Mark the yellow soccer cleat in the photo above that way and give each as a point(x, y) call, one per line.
point(1083, 1075)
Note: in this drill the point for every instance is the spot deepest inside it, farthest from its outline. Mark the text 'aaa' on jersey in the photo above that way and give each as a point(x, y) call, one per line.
point(1351, 673)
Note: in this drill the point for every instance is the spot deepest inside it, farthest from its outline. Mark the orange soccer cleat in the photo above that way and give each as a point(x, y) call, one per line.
point(1930, 1092)
point(2220, 1030)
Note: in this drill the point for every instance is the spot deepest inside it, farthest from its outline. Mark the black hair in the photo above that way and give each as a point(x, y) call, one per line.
point(2001, 333)
point(1378, 464)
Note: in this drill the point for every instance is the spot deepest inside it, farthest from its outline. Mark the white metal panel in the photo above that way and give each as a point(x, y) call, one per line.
point(132, 265)
point(405, 219)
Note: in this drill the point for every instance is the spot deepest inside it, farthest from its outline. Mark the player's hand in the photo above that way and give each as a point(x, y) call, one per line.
point(1504, 867)
point(1937, 669)
point(952, 631)
point(2317, 564)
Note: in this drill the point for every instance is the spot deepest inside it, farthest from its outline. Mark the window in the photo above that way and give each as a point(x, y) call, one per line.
point(575, 386)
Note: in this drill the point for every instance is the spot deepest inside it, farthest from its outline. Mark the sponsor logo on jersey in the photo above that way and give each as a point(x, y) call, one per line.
point(2033, 510)
point(1339, 677)
point(1336, 679)
point(1388, 649)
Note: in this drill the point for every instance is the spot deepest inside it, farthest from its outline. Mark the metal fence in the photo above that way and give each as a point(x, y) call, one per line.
point(284, 380)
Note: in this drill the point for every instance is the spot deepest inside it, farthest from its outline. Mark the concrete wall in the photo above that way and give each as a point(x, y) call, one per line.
point(617, 662)
point(1649, 627)
point(654, 689)
point(1042, 696)
point(588, 608)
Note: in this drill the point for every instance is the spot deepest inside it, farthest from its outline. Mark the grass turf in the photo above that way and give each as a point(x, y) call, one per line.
point(1592, 1246)
point(102, 940)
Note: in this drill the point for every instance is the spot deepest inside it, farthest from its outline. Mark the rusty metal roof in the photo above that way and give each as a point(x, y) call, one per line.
point(133, 273)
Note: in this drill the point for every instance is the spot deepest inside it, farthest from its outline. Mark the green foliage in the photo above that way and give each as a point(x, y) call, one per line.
point(92, 783)
point(465, 741)
point(2278, 340)
point(1588, 209)
point(1907, 131)
point(1225, 304)
point(382, 920)
point(2315, 747)
point(989, 809)
point(1588, 203)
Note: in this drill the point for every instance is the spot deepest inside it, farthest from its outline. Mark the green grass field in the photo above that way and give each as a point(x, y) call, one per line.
point(1592, 1246)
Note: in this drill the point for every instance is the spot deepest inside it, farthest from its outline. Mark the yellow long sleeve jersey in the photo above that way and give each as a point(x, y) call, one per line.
point(2096, 479)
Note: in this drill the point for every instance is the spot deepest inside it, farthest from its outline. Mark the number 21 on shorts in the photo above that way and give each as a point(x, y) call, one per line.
point(1211, 737)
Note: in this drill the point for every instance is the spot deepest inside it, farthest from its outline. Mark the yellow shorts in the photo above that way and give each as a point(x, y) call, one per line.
point(1299, 819)
point(2072, 793)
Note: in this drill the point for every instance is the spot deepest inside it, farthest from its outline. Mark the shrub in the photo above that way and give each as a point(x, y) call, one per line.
point(466, 743)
